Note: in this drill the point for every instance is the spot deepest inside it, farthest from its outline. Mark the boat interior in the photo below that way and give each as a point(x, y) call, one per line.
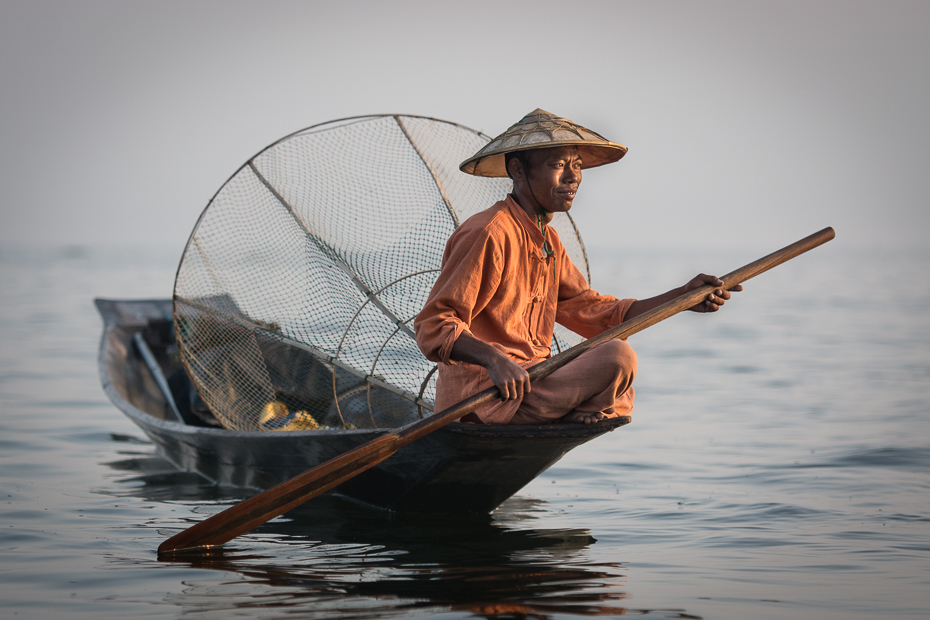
point(142, 364)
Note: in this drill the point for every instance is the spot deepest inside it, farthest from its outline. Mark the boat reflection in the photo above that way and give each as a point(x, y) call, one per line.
point(334, 558)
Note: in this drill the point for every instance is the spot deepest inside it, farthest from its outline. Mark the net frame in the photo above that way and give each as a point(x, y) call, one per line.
point(221, 317)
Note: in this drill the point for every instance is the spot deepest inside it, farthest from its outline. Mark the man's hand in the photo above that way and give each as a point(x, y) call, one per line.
point(509, 377)
point(716, 298)
point(711, 303)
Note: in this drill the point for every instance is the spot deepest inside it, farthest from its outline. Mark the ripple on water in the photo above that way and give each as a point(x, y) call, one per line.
point(765, 513)
point(909, 459)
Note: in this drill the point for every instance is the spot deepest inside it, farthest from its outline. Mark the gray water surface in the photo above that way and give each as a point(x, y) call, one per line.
point(777, 466)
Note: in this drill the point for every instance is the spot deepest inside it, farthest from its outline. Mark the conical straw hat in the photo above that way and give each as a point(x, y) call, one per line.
point(537, 130)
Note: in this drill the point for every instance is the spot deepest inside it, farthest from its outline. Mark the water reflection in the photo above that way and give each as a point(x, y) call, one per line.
point(332, 557)
point(477, 568)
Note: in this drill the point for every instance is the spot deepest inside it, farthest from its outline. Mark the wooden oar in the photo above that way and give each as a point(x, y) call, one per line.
point(263, 507)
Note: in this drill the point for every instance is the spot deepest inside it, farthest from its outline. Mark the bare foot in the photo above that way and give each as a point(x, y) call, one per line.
point(583, 417)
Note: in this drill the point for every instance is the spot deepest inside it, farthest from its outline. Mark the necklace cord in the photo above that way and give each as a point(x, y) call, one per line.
point(541, 222)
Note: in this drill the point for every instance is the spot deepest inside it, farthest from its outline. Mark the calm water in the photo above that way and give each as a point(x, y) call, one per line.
point(778, 466)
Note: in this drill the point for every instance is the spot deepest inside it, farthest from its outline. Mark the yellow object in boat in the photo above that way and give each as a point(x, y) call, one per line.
point(273, 411)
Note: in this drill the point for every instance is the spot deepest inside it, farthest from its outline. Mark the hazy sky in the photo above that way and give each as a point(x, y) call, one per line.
point(762, 121)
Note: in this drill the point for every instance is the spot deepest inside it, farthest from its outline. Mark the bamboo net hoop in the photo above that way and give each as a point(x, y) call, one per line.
point(295, 295)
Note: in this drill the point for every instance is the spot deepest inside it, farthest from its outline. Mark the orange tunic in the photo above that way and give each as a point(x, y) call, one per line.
point(498, 285)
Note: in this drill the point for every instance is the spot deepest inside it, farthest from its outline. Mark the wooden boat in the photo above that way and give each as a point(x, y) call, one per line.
point(460, 468)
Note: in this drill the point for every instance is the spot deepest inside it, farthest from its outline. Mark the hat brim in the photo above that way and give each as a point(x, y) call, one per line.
point(493, 164)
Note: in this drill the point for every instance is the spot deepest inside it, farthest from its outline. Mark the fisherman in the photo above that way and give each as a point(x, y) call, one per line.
point(506, 280)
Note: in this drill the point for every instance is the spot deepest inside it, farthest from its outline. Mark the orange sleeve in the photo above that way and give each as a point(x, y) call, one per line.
point(582, 309)
point(471, 272)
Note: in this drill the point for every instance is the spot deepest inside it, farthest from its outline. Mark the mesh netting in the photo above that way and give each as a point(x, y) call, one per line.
point(296, 294)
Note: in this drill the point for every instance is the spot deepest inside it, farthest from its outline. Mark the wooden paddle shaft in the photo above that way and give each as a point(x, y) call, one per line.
point(251, 513)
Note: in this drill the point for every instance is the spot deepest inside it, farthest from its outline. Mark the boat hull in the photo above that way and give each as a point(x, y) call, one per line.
point(460, 468)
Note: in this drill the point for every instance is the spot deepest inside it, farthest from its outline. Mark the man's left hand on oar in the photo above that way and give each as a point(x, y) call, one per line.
point(711, 302)
point(716, 298)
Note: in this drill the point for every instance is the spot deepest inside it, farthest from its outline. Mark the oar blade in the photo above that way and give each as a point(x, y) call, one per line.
point(261, 508)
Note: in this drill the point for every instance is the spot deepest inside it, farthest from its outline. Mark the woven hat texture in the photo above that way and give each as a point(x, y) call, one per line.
point(541, 129)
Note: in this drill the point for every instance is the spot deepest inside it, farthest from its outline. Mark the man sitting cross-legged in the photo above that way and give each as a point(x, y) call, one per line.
point(506, 280)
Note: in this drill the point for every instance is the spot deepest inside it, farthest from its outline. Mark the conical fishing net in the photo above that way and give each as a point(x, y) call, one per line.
point(295, 297)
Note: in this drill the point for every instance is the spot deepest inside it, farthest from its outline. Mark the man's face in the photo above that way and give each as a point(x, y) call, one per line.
point(554, 176)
